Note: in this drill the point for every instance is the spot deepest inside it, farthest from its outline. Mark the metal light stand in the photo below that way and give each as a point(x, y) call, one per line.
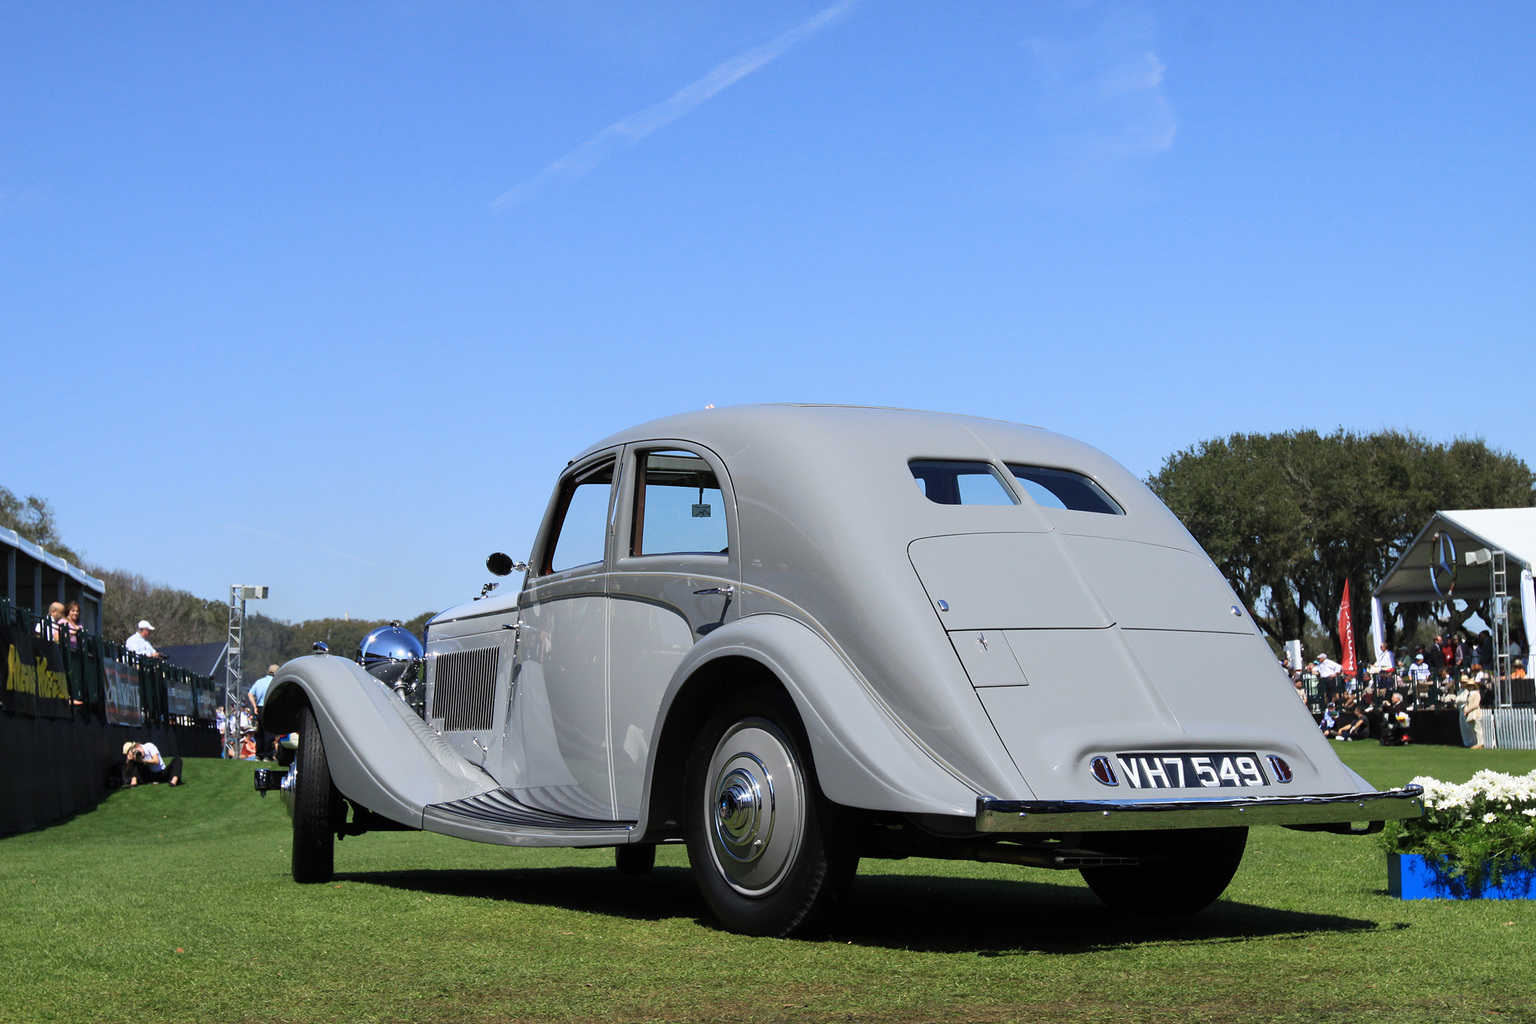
point(234, 682)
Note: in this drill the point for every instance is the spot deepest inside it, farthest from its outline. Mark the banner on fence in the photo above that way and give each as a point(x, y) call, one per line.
point(178, 697)
point(33, 669)
point(20, 674)
point(207, 701)
point(123, 704)
point(52, 683)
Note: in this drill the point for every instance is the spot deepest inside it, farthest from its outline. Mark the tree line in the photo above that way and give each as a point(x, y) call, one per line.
point(32, 518)
point(183, 618)
point(1287, 518)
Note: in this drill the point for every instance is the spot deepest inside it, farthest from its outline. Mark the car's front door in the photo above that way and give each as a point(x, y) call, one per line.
point(557, 753)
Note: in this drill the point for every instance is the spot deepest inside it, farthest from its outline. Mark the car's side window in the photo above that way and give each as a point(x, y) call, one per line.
point(679, 507)
point(954, 482)
point(1062, 488)
point(582, 529)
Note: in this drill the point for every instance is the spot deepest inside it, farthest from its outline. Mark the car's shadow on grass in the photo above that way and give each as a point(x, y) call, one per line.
point(914, 912)
point(666, 892)
point(999, 918)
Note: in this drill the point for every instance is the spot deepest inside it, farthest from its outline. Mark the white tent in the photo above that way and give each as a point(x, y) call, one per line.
point(1456, 557)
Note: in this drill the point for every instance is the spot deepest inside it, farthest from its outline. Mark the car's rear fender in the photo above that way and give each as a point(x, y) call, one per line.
point(381, 755)
point(862, 755)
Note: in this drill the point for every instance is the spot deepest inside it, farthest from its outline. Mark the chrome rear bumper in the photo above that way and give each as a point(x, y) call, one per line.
point(995, 815)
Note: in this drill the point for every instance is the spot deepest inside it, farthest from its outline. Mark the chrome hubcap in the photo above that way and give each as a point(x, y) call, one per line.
point(744, 809)
point(756, 807)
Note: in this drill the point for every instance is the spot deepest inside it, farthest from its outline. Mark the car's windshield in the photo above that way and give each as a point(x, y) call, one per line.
point(583, 528)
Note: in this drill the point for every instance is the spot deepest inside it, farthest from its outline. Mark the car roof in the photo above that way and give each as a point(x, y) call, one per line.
point(853, 459)
point(792, 425)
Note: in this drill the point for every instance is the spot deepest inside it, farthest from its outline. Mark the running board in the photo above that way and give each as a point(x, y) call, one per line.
point(500, 817)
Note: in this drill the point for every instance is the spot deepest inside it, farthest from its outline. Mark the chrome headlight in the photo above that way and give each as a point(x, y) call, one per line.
point(391, 654)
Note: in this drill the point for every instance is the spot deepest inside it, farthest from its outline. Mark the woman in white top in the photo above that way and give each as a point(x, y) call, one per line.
point(1470, 703)
point(148, 766)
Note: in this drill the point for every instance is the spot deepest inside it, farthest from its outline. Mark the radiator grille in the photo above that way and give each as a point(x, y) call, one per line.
point(464, 688)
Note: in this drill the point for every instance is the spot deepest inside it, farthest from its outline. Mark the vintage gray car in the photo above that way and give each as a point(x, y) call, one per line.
point(794, 636)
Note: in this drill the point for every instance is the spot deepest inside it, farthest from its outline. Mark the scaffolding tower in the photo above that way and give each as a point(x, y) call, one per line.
point(234, 675)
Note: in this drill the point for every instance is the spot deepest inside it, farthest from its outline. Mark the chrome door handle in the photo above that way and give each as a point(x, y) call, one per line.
point(727, 590)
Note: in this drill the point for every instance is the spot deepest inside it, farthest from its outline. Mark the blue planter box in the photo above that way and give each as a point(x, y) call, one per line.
point(1412, 877)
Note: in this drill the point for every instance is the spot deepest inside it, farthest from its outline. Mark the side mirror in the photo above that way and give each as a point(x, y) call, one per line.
point(502, 565)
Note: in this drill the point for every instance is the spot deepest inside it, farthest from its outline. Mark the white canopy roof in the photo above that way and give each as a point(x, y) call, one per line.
point(10, 538)
point(1511, 530)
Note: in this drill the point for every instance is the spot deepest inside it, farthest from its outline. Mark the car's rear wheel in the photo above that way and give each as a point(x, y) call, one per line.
point(771, 855)
point(1182, 870)
point(317, 807)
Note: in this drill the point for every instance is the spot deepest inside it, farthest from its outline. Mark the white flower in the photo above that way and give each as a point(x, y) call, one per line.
point(1515, 793)
point(1489, 819)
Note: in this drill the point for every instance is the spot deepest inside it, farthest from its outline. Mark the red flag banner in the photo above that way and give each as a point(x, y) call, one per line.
point(1347, 634)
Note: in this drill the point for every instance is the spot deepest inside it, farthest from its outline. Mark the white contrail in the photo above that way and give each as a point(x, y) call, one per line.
point(334, 554)
point(637, 126)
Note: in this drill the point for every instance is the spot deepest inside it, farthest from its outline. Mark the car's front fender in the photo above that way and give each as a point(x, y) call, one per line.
point(381, 755)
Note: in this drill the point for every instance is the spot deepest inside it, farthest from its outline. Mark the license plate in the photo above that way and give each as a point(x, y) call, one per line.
point(1191, 771)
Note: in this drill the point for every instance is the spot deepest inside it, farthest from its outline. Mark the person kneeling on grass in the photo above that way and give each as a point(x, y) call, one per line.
point(146, 765)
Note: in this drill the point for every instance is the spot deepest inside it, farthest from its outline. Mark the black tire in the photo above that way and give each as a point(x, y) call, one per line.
point(634, 860)
point(1183, 870)
point(770, 854)
point(318, 808)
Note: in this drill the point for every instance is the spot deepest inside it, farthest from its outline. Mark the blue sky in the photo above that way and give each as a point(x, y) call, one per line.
point(323, 296)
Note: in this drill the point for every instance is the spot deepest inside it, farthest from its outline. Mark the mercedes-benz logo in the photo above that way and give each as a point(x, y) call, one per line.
point(1442, 564)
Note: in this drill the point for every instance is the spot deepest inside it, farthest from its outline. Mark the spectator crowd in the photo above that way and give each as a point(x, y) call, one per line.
point(1450, 672)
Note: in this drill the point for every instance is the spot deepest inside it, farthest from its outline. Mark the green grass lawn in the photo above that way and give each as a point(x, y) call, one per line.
point(176, 905)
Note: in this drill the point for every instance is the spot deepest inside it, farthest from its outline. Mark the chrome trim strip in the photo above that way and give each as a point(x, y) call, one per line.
point(996, 815)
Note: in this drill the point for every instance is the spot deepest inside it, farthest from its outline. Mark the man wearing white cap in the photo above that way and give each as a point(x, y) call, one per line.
point(1418, 672)
point(139, 643)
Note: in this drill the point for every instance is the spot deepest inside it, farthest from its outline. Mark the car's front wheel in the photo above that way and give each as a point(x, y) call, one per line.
point(317, 807)
point(1182, 870)
point(771, 855)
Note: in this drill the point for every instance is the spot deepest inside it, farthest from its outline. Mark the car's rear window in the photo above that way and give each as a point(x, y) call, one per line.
point(1064, 489)
point(951, 482)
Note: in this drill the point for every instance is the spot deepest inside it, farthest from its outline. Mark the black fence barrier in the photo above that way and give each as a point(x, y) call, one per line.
point(49, 672)
point(1435, 726)
point(51, 768)
point(70, 702)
